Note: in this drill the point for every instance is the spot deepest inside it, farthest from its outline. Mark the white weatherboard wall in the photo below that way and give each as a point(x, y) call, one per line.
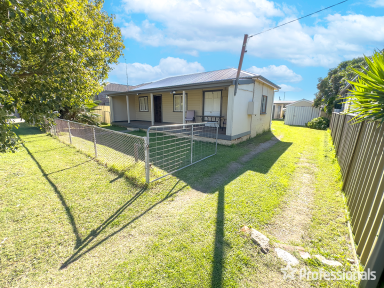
point(262, 122)
point(299, 116)
point(239, 122)
point(119, 107)
point(238, 119)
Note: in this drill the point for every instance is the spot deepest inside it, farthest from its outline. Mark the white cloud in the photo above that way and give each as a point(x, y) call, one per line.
point(377, 3)
point(287, 88)
point(140, 73)
point(219, 25)
point(277, 73)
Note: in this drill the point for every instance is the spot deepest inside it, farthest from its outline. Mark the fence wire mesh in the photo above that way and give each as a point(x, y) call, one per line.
point(120, 151)
point(173, 147)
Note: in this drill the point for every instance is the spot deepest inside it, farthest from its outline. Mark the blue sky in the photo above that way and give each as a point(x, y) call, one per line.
point(171, 37)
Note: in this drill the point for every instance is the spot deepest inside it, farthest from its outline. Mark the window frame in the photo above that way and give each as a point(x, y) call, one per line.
point(147, 104)
point(186, 100)
point(265, 106)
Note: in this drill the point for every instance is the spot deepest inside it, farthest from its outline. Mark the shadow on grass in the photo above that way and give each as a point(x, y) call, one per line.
point(266, 160)
point(83, 246)
point(218, 254)
point(84, 249)
point(61, 198)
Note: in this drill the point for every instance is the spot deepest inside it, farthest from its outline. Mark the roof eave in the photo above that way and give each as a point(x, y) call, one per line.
point(210, 84)
point(266, 81)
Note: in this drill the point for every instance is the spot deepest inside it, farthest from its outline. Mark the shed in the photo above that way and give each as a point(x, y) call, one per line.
point(300, 112)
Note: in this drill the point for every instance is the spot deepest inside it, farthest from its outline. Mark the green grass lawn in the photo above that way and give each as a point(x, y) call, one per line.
point(68, 221)
point(140, 132)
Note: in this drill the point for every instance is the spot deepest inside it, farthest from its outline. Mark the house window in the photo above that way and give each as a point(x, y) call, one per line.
point(143, 104)
point(264, 101)
point(178, 102)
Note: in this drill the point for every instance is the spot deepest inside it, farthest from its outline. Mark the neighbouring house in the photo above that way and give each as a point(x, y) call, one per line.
point(112, 87)
point(210, 95)
point(346, 104)
point(278, 107)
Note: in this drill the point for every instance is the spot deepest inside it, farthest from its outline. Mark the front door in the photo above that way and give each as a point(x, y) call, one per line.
point(157, 108)
point(212, 103)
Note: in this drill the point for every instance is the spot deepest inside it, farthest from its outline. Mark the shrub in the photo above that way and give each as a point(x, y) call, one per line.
point(320, 123)
point(367, 97)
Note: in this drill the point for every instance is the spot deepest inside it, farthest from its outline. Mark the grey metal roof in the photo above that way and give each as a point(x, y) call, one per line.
point(120, 87)
point(196, 78)
point(116, 87)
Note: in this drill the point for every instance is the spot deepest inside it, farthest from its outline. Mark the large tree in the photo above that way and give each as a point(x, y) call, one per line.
point(53, 54)
point(329, 88)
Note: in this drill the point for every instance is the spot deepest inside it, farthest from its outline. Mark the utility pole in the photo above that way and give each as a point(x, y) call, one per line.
point(243, 50)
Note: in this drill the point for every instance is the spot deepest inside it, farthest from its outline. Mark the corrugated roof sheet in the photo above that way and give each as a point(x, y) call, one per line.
point(120, 87)
point(218, 75)
point(116, 87)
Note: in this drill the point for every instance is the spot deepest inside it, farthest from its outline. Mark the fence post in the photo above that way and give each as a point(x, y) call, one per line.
point(136, 151)
point(69, 132)
point(146, 146)
point(217, 134)
point(192, 144)
point(94, 141)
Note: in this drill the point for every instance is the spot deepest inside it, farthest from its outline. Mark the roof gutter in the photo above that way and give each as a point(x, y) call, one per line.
point(205, 85)
point(266, 81)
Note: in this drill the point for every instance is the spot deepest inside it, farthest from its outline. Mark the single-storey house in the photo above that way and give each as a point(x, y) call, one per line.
point(208, 96)
point(278, 107)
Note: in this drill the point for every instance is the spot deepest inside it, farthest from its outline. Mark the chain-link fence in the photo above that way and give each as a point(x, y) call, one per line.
point(120, 151)
point(171, 147)
point(174, 147)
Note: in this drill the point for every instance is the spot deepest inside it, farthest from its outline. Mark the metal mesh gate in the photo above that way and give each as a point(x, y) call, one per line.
point(169, 149)
point(174, 147)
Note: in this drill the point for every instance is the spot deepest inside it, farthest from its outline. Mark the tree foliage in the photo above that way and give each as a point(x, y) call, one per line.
point(329, 88)
point(367, 97)
point(53, 54)
point(83, 114)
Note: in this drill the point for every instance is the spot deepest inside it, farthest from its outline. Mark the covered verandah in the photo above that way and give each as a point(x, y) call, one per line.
point(144, 125)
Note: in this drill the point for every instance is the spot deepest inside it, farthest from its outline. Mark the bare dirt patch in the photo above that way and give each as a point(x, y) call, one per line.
point(291, 224)
point(207, 185)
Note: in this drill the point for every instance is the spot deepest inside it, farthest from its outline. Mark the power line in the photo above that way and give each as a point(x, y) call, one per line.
point(298, 18)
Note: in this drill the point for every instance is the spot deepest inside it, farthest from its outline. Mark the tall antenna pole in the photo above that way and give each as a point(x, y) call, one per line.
point(126, 71)
point(241, 61)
